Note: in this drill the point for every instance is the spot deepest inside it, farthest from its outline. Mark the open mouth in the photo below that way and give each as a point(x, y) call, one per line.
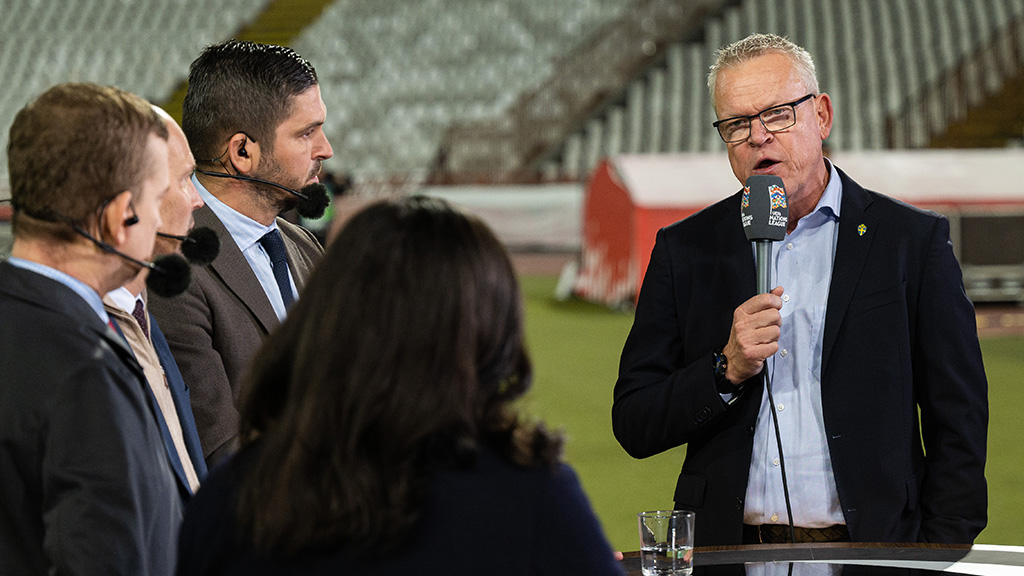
point(765, 164)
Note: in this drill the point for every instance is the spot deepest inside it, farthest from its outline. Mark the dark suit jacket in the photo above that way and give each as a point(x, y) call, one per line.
point(215, 328)
point(899, 335)
point(85, 486)
point(494, 518)
point(182, 404)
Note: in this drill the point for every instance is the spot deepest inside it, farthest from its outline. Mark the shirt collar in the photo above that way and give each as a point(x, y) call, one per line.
point(81, 288)
point(244, 230)
point(831, 199)
point(123, 299)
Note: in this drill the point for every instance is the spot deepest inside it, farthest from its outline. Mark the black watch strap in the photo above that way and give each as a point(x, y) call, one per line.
point(721, 364)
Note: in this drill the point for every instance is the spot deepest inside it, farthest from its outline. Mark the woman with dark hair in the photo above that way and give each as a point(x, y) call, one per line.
point(377, 429)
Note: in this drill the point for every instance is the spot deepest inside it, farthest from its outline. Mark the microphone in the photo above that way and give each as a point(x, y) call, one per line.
point(313, 199)
point(169, 275)
point(764, 214)
point(200, 246)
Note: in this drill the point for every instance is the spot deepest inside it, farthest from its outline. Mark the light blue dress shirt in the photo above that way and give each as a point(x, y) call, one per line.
point(81, 288)
point(247, 232)
point(802, 265)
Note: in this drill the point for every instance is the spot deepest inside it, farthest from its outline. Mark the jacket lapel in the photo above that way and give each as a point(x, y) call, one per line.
point(856, 230)
point(234, 270)
point(735, 238)
point(117, 341)
point(182, 403)
point(299, 263)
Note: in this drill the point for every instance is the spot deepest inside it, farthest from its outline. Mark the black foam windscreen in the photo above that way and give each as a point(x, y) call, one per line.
point(201, 246)
point(169, 275)
point(313, 201)
point(763, 208)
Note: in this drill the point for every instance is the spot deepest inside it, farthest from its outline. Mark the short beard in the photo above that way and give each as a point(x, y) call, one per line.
point(270, 196)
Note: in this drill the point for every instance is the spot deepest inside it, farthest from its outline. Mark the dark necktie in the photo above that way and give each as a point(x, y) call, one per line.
point(140, 316)
point(274, 246)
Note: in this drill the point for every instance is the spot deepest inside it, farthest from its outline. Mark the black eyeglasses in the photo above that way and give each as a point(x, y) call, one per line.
point(774, 119)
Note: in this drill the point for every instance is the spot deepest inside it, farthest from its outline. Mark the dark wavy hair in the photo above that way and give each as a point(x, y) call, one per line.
point(402, 356)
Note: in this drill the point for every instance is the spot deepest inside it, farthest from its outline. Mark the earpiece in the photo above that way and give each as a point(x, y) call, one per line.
point(241, 149)
point(133, 219)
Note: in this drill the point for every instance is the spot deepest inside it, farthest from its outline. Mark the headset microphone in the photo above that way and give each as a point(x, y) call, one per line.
point(200, 246)
point(169, 275)
point(313, 199)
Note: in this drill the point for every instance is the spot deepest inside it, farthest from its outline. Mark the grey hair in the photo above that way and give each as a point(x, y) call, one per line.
point(758, 45)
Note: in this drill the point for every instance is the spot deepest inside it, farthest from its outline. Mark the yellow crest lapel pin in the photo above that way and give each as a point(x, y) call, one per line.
point(861, 230)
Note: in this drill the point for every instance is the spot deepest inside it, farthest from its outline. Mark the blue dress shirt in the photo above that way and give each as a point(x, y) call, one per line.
point(81, 288)
point(802, 265)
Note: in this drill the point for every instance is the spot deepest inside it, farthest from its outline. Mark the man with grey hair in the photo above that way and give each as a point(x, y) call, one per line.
point(869, 341)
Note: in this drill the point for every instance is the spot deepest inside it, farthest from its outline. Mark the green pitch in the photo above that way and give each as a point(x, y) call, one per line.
point(575, 348)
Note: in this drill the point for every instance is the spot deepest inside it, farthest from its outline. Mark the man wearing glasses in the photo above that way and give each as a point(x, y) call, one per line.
point(868, 338)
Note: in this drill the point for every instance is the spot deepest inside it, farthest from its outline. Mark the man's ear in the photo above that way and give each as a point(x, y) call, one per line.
point(823, 113)
point(243, 153)
point(117, 217)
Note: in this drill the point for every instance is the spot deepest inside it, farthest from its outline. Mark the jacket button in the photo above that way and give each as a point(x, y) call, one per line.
point(750, 430)
point(702, 415)
point(739, 503)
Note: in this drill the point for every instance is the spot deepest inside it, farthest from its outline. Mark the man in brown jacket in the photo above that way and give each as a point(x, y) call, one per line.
point(254, 120)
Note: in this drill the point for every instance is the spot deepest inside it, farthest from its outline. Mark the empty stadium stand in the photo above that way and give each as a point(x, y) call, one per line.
point(145, 48)
point(447, 91)
point(278, 22)
point(899, 71)
point(396, 75)
point(436, 92)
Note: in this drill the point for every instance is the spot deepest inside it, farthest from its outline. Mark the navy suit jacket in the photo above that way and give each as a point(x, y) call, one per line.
point(85, 487)
point(179, 392)
point(899, 335)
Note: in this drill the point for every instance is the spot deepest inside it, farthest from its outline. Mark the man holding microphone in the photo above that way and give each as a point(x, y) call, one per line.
point(868, 325)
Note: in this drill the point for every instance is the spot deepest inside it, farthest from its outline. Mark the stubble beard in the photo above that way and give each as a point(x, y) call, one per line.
point(271, 197)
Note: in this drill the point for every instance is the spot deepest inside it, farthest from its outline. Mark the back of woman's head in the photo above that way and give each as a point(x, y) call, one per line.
point(402, 355)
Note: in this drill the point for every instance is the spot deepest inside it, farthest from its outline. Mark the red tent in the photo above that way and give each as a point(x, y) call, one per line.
point(628, 199)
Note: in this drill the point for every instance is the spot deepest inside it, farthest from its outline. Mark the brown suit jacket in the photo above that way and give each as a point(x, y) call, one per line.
point(215, 328)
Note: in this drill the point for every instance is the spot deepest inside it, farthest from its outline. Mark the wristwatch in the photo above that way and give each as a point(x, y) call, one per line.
point(721, 363)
